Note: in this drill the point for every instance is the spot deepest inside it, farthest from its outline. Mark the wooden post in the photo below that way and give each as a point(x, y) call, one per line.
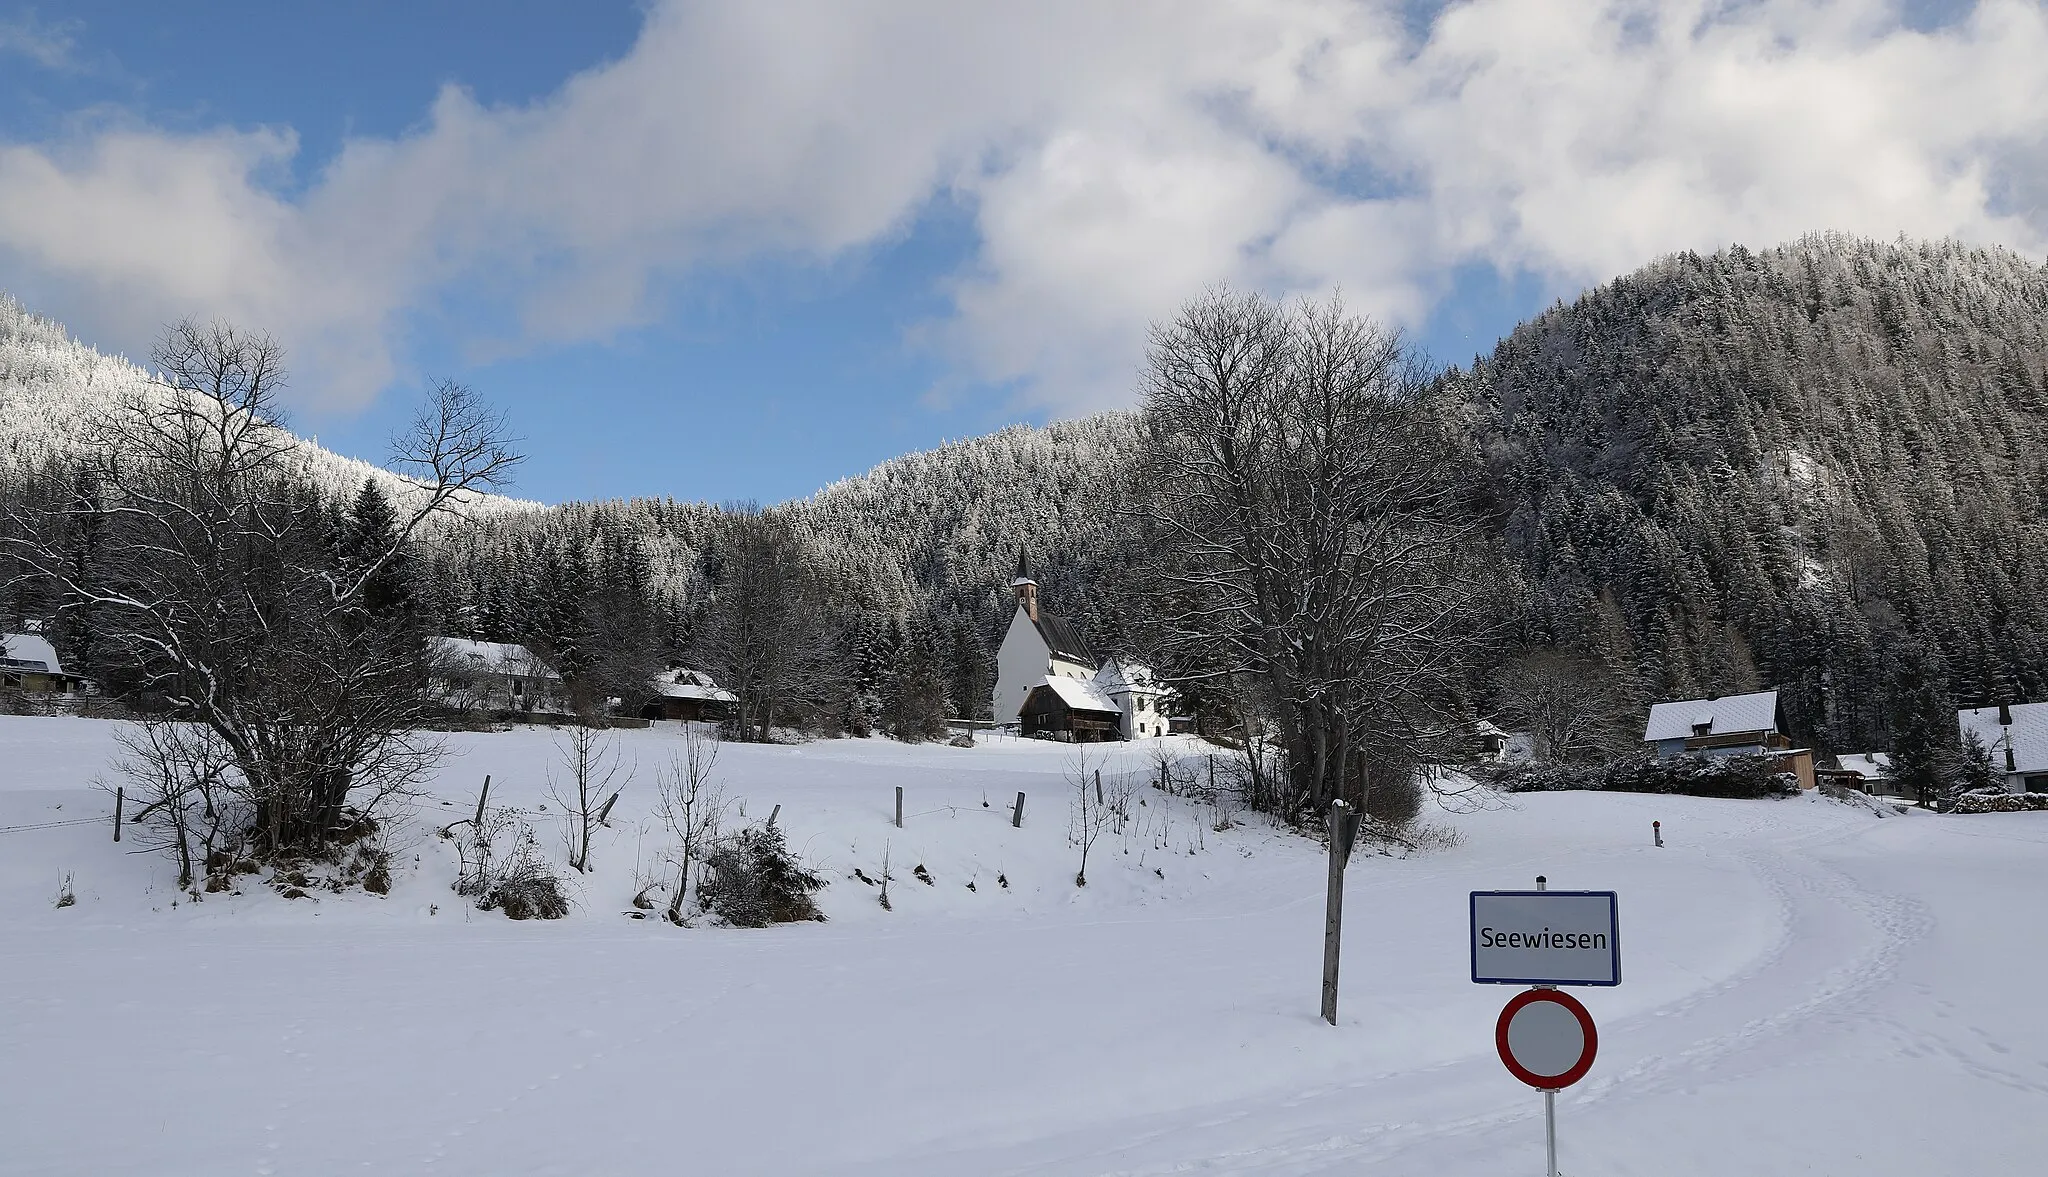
point(606, 812)
point(1342, 829)
point(1098, 786)
point(1017, 815)
point(1657, 832)
point(480, 799)
point(120, 796)
point(899, 807)
point(773, 814)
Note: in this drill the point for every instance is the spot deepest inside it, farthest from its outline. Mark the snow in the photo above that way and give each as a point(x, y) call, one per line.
point(1081, 694)
point(33, 649)
point(1808, 989)
point(491, 657)
point(2027, 735)
point(1753, 712)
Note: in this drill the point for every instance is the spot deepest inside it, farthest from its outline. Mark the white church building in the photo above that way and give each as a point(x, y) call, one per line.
point(1048, 682)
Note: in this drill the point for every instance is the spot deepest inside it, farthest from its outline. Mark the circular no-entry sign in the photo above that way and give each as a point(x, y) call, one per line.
point(1546, 1038)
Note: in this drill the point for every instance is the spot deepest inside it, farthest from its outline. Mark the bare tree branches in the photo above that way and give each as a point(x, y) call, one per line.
point(596, 777)
point(219, 579)
point(1316, 543)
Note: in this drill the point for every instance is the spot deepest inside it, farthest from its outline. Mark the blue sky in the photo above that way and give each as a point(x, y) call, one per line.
point(723, 252)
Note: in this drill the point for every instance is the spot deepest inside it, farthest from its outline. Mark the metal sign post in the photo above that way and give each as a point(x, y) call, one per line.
point(1544, 939)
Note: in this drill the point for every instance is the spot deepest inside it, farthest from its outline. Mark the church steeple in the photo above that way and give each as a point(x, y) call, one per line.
point(1025, 588)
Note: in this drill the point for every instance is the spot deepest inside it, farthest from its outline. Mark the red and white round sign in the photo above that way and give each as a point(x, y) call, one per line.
point(1546, 1038)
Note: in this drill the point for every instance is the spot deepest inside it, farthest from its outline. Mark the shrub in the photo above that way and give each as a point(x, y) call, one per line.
point(2000, 802)
point(502, 868)
point(1742, 777)
point(752, 880)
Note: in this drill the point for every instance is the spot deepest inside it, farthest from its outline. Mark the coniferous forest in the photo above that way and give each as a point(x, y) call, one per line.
point(1821, 467)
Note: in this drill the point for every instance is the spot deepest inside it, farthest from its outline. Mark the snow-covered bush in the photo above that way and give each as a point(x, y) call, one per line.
point(752, 880)
point(503, 870)
point(1999, 802)
point(1741, 777)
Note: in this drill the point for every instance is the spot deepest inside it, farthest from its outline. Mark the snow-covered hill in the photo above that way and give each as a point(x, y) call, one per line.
point(50, 384)
point(1808, 988)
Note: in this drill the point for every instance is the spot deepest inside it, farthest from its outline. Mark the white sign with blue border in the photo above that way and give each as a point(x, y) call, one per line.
point(1546, 938)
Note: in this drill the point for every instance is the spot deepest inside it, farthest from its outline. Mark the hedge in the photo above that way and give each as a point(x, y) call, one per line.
point(1742, 777)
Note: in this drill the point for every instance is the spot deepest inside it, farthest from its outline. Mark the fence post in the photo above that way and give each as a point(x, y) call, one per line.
point(120, 795)
point(1343, 829)
point(899, 807)
point(1657, 831)
point(480, 799)
point(1098, 786)
point(1017, 815)
point(773, 814)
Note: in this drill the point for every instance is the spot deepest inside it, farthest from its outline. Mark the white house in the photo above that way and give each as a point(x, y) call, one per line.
point(1732, 725)
point(490, 676)
point(1139, 696)
point(29, 663)
point(1083, 699)
point(2016, 736)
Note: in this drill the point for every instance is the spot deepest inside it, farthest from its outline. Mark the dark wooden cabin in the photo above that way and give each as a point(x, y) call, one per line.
point(1070, 709)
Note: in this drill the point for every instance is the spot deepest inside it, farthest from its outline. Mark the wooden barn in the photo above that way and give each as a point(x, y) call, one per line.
point(1070, 709)
point(689, 695)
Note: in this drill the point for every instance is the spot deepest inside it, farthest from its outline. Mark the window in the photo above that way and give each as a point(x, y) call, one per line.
point(518, 687)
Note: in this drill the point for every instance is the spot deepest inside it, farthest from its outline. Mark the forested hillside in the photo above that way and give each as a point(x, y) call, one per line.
point(1822, 467)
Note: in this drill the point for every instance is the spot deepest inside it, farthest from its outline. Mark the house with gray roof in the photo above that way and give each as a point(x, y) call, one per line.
point(2016, 736)
point(1750, 724)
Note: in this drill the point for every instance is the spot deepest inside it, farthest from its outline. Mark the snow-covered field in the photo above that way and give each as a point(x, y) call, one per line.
point(1808, 989)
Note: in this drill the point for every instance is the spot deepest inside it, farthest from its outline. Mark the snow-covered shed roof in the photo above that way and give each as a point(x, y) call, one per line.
point(28, 651)
point(1754, 712)
point(1080, 694)
point(1875, 766)
point(691, 684)
point(490, 657)
point(2028, 735)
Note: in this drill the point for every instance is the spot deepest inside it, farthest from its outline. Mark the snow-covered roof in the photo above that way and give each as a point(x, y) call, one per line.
point(1488, 729)
point(28, 651)
point(1079, 694)
point(1875, 766)
point(490, 657)
point(1754, 712)
point(691, 684)
point(1120, 676)
point(2028, 735)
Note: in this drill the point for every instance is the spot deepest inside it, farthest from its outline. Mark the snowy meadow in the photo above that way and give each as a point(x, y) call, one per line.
point(1808, 988)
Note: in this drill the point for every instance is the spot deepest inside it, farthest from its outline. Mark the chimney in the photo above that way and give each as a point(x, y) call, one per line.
point(1026, 589)
point(2005, 715)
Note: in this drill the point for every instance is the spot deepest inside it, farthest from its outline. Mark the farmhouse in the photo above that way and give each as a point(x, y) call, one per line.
point(1048, 681)
point(689, 695)
point(2016, 736)
point(1731, 725)
point(29, 663)
point(489, 676)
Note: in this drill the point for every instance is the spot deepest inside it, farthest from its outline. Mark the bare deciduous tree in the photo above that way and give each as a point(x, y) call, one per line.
point(1316, 539)
point(214, 576)
point(596, 776)
point(1568, 703)
point(1090, 812)
point(692, 807)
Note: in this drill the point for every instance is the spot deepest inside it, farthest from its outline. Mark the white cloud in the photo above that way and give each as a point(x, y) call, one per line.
point(49, 45)
point(1116, 157)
